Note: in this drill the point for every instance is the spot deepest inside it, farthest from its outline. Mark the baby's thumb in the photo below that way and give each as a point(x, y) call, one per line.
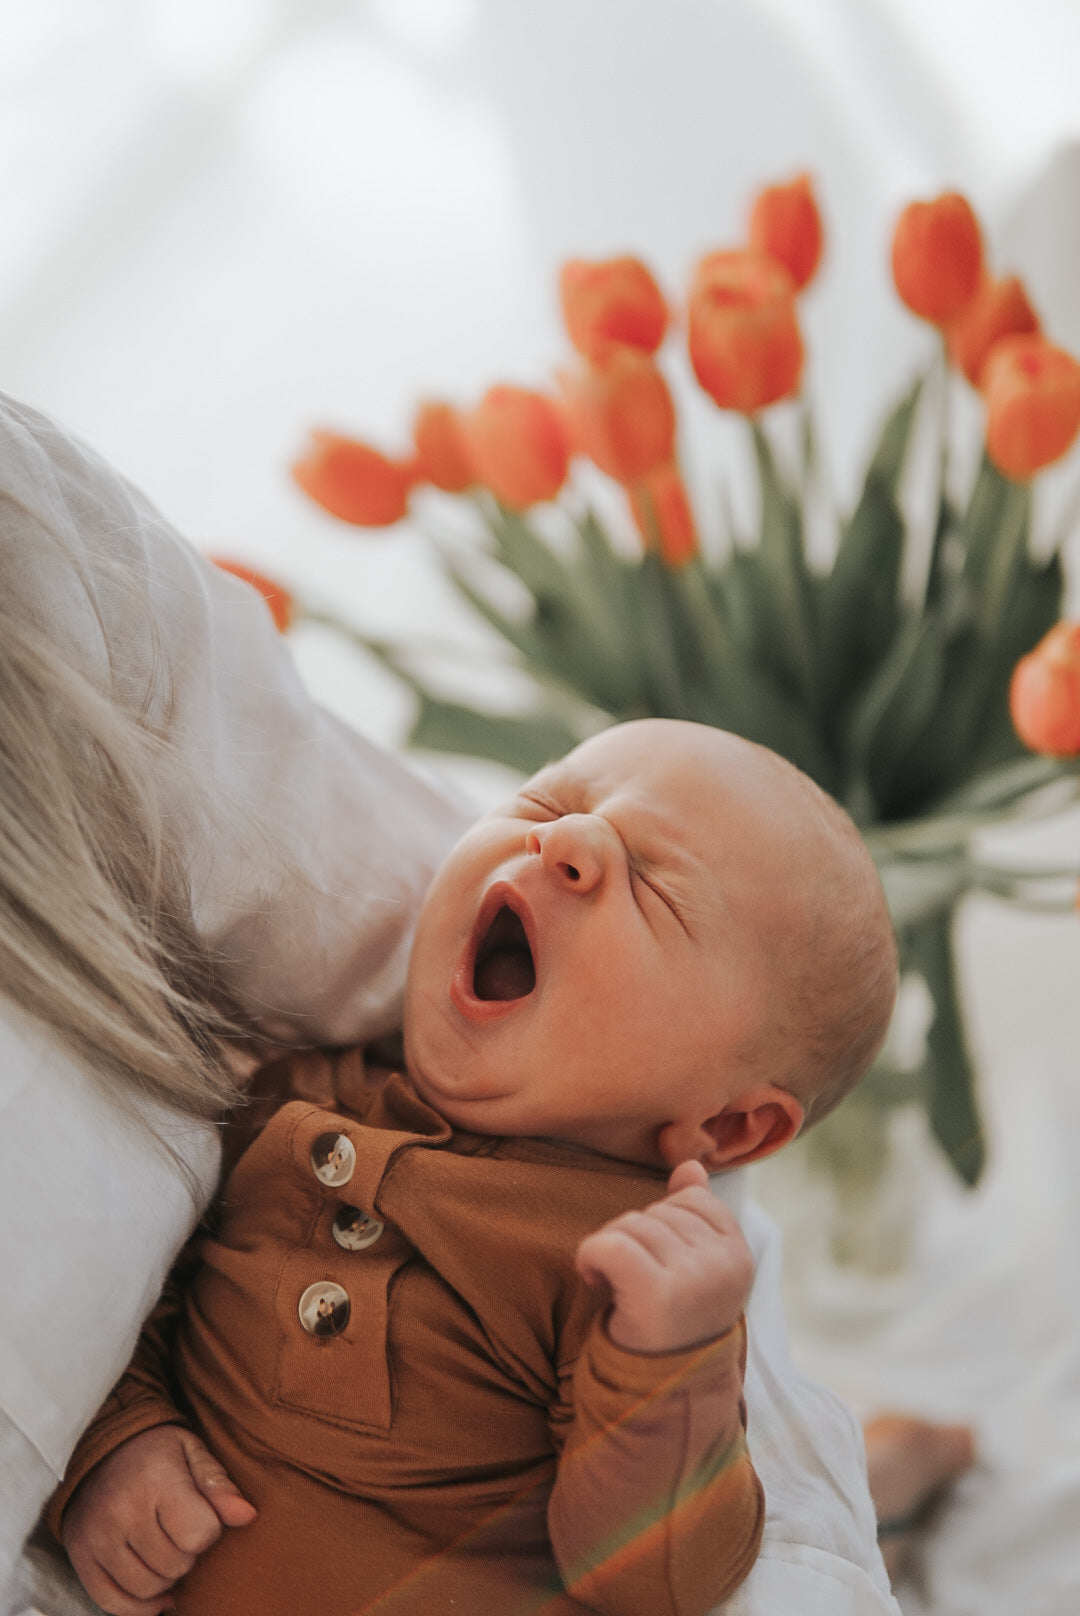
point(220, 1492)
point(686, 1176)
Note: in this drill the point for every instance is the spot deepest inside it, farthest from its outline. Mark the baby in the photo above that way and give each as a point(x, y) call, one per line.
point(451, 1338)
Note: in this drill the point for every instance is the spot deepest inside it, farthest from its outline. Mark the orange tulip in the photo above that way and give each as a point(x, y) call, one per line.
point(1032, 392)
point(1044, 697)
point(744, 338)
point(353, 481)
point(937, 257)
point(785, 223)
point(613, 302)
point(442, 454)
point(281, 604)
point(620, 413)
point(664, 517)
point(517, 441)
point(998, 309)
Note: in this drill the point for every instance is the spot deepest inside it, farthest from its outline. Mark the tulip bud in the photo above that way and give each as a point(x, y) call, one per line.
point(354, 482)
point(665, 520)
point(281, 604)
point(998, 309)
point(620, 414)
point(786, 224)
point(743, 330)
point(1032, 392)
point(442, 454)
point(615, 302)
point(517, 442)
point(1044, 696)
point(937, 257)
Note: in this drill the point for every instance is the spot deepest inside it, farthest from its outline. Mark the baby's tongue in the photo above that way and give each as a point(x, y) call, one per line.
point(504, 973)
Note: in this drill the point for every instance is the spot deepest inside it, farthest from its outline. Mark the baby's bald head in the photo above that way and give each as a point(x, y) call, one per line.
point(830, 947)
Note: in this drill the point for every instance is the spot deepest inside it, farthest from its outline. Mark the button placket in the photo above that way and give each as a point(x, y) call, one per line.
point(338, 1277)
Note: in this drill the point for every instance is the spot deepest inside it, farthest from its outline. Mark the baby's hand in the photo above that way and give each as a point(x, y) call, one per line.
point(680, 1271)
point(143, 1515)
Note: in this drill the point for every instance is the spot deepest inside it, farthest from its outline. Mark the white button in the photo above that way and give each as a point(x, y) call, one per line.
point(324, 1308)
point(354, 1230)
point(333, 1158)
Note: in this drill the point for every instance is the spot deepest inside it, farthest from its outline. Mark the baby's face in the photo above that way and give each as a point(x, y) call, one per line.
point(591, 958)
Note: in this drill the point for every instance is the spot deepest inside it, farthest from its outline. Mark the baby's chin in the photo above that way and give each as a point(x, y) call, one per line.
point(449, 1084)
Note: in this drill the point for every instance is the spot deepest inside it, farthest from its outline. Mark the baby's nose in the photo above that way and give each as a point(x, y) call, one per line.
point(575, 850)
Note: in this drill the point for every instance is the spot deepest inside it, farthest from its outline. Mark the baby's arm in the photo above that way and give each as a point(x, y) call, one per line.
point(656, 1507)
point(140, 1518)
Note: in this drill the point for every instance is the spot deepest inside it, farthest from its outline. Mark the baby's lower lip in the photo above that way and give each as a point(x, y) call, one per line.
point(477, 1010)
point(463, 994)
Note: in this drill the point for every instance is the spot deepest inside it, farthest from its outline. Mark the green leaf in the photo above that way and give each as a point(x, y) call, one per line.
point(749, 606)
point(891, 713)
point(525, 743)
point(1006, 598)
point(951, 1102)
point(859, 606)
point(561, 641)
point(783, 562)
point(521, 635)
point(607, 589)
point(991, 536)
point(571, 635)
point(937, 578)
point(658, 639)
point(938, 757)
point(887, 461)
point(529, 556)
point(723, 686)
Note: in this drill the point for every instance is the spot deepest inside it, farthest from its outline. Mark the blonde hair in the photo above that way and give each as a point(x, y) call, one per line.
point(97, 939)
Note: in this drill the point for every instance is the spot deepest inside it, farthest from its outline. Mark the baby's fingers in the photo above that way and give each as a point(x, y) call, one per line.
point(114, 1598)
point(686, 1175)
point(139, 1579)
point(216, 1486)
point(614, 1255)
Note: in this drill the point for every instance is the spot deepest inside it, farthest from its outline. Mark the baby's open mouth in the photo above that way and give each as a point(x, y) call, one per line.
point(504, 968)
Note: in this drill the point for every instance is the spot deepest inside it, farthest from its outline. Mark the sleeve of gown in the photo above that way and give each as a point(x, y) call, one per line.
point(656, 1507)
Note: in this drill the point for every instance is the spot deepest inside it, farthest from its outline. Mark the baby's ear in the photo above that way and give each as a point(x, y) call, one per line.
point(752, 1125)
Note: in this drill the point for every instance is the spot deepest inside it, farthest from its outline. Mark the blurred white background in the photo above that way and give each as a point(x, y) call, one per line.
point(225, 221)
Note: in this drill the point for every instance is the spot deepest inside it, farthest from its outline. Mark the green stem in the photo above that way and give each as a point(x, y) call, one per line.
point(951, 1102)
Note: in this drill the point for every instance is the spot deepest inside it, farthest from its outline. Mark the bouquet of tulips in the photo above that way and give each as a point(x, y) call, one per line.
point(885, 675)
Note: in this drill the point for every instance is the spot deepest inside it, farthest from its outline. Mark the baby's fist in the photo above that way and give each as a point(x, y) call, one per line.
point(680, 1271)
point(139, 1520)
